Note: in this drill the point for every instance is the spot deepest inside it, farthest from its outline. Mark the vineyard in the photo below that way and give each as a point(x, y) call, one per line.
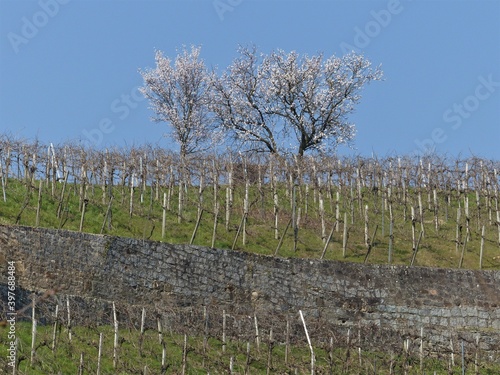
point(139, 344)
point(428, 211)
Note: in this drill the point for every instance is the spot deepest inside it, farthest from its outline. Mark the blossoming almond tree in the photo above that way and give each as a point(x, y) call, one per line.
point(241, 104)
point(288, 104)
point(179, 94)
point(313, 98)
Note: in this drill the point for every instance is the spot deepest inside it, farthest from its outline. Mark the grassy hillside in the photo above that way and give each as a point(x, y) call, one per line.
point(245, 211)
point(142, 354)
point(437, 247)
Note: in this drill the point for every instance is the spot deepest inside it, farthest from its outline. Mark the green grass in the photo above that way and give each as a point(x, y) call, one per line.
point(437, 248)
point(133, 356)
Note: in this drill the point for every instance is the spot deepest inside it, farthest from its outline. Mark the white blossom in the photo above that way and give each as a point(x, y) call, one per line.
point(178, 94)
point(282, 103)
point(265, 100)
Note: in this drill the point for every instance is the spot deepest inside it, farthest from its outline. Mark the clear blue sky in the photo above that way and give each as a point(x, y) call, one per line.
point(69, 68)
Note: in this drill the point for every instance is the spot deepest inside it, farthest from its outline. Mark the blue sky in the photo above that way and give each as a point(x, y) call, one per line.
point(69, 68)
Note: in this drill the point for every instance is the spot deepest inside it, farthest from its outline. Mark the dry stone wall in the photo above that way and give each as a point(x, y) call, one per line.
point(386, 303)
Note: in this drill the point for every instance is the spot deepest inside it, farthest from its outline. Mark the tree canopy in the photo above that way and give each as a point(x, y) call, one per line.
point(281, 103)
point(179, 95)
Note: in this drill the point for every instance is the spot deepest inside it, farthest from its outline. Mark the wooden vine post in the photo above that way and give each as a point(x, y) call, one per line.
point(229, 194)
point(39, 204)
point(115, 341)
point(180, 207)
point(458, 233)
point(328, 240)
point(345, 234)
point(367, 237)
point(214, 232)
point(246, 205)
point(322, 213)
point(164, 215)
point(481, 249)
point(313, 360)
point(294, 218)
point(33, 330)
